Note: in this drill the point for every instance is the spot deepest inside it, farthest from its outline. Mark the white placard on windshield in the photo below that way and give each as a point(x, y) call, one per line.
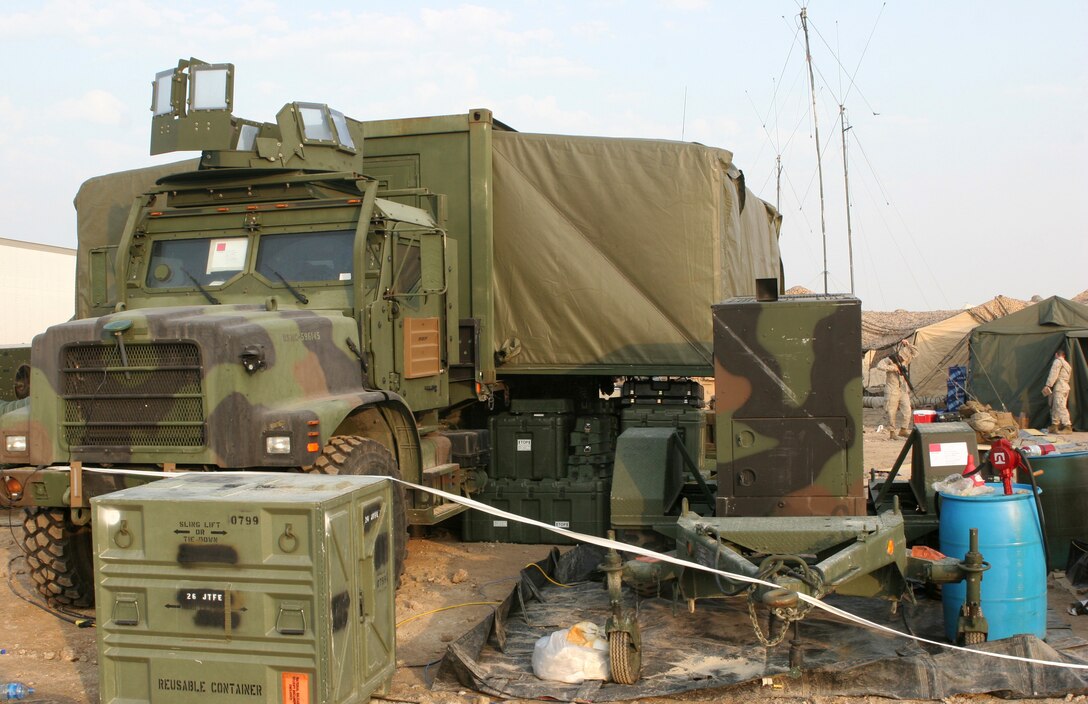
point(947, 454)
point(227, 254)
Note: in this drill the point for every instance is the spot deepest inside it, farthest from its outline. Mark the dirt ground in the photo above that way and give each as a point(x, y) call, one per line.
point(60, 659)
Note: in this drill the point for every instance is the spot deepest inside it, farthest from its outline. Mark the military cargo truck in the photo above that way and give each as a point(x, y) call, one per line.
point(322, 294)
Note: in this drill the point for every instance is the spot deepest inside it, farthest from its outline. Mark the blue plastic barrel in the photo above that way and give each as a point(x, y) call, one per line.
point(1009, 538)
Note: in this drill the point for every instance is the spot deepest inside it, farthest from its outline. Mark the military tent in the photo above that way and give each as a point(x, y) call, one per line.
point(941, 338)
point(1010, 358)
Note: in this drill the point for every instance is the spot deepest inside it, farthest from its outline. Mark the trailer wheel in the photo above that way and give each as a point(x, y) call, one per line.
point(359, 456)
point(60, 557)
point(625, 659)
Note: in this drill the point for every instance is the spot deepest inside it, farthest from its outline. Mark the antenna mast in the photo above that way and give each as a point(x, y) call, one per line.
point(778, 183)
point(816, 130)
point(684, 118)
point(846, 182)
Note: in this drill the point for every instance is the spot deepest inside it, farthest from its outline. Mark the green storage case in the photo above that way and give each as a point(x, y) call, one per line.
point(577, 439)
point(597, 425)
point(542, 405)
point(578, 506)
point(597, 452)
point(245, 588)
point(530, 445)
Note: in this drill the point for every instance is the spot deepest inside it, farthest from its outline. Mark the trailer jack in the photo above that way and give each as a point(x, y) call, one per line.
point(624, 638)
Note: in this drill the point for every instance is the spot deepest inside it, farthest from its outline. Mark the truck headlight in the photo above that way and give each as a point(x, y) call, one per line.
point(277, 444)
point(16, 443)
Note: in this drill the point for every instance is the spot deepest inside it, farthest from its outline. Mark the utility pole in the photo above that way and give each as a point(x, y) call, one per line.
point(816, 131)
point(846, 181)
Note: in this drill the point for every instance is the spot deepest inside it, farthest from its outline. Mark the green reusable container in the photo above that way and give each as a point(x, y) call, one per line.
point(580, 506)
point(245, 587)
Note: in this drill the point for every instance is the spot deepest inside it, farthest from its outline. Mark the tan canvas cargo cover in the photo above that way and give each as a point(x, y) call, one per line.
point(610, 252)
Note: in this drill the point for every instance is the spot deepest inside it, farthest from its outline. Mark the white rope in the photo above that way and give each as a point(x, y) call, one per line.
point(606, 543)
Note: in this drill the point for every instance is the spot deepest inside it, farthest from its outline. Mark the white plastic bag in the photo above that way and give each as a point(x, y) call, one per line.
point(957, 485)
point(572, 655)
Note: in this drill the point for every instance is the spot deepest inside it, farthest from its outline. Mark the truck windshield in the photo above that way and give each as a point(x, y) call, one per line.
point(310, 256)
point(204, 261)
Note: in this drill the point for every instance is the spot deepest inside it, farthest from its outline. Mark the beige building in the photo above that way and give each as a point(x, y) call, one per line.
point(37, 289)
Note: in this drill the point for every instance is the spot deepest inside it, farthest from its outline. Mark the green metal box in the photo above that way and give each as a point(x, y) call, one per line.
point(530, 445)
point(690, 425)
point(580, 506)
point(232, 587)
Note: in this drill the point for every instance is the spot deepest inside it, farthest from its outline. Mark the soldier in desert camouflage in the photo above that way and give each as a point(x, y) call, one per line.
point(897, 388)
point(1057, 389)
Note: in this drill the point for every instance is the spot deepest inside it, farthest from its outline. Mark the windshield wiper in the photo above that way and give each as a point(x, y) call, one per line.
point(211, 299)
point(294, 291)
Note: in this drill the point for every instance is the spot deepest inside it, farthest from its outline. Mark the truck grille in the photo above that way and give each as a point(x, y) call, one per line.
point(155, 401)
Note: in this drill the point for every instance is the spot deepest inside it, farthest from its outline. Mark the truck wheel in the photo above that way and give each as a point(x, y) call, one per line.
point(60, 557)
point(351, 454)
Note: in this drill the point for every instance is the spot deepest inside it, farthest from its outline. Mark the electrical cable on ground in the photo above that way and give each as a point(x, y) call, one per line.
point(75, 619)
point(546, 575)
point(447, 608)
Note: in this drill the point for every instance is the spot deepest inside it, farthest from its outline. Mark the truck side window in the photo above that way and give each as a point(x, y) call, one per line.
point(407, 269)
point(207, 261)
point(309, 256)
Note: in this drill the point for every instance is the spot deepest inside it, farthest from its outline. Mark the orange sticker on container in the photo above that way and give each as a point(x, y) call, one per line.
point(296, 688)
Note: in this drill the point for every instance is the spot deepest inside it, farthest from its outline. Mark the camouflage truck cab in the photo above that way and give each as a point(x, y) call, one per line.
point(269, 311)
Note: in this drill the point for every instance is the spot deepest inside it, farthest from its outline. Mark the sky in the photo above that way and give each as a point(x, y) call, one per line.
point(966, 147)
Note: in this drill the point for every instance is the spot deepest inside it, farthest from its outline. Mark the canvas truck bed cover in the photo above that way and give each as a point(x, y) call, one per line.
point(610, 252)
point(606, 253)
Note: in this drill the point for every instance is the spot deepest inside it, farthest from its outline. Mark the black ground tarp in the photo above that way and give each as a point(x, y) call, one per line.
point(715, 647)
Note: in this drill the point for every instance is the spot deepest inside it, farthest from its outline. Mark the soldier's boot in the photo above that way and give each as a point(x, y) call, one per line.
point(904, 432)
point(1065, 430)
point(1053, 428)
point(893, 433)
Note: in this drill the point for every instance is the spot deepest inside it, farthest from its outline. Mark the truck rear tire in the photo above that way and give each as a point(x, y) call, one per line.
point(351, 454)
point(60, 556)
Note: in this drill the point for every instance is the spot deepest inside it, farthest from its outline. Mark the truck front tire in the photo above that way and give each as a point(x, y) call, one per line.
point(60, 556)
point(351, 454)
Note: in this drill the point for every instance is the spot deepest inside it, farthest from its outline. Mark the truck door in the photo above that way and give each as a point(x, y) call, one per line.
point(412, 312)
